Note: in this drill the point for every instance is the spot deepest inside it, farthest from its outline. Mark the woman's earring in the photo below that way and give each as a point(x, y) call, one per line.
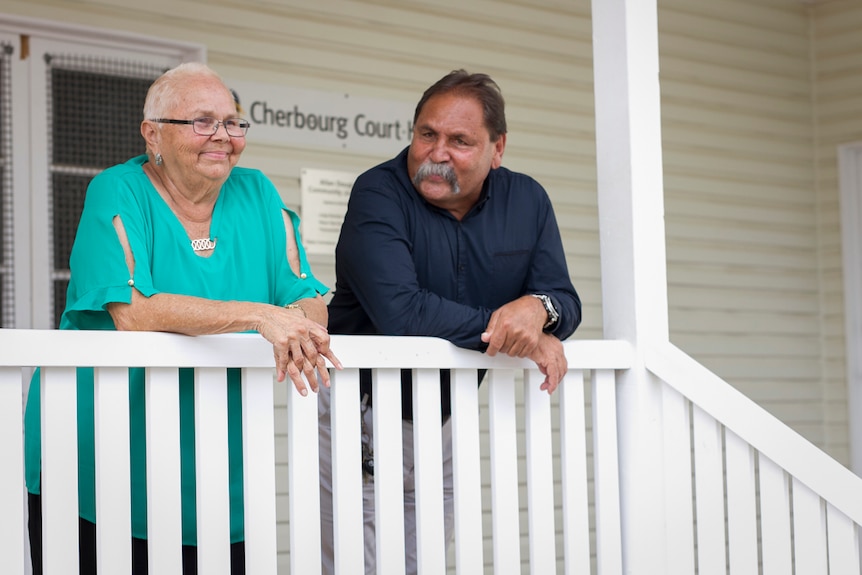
point(158, 159)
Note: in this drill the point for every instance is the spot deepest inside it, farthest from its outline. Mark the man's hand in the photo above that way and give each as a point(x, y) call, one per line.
point(516, 327)
point(551, 359)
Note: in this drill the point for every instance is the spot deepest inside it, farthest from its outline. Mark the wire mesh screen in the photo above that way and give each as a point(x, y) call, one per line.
point(94, 110)
point(7, 276)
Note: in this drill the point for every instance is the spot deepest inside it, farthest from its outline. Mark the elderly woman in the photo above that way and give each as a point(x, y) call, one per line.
point(181, 240)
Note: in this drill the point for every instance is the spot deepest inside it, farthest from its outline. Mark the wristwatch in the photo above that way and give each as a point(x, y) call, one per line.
point(553, 314)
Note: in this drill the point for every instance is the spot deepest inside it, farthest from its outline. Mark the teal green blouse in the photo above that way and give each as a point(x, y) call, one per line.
point(249, 263)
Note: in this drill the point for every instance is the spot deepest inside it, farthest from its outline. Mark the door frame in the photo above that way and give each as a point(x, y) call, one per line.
point(32, 291)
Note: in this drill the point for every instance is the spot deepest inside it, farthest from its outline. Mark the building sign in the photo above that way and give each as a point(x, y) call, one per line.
point(285, 115)
point(324, 203)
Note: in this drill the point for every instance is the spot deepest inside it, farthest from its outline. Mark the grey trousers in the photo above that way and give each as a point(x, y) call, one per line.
point(326, 519)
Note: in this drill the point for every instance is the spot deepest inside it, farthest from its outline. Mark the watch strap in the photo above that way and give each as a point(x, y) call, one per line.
point(553, 314)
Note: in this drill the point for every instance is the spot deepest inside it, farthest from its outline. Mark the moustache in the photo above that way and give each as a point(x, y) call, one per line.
point(445, 171)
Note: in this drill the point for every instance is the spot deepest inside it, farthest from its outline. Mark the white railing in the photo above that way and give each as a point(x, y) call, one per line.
point(540, 494)
point(560, 502)
point(767, 501)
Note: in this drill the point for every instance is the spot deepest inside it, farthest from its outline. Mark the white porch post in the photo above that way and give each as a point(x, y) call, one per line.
point(634, 278)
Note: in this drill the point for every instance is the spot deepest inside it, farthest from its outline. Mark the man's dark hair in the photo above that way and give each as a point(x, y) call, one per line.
point(478, 86)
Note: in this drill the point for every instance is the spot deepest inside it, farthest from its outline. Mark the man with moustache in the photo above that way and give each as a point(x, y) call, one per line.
point(442, 241)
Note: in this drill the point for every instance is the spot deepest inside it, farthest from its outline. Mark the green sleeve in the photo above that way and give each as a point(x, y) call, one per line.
point(306, 285)
point(98, 281)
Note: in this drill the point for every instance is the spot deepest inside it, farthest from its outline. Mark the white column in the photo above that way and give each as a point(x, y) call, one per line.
point(634, 278)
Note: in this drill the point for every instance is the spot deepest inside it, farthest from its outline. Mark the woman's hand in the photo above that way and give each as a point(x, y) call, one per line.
point(299, 346)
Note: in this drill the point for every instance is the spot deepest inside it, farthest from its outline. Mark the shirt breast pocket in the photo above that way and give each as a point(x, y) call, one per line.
point(510, 274)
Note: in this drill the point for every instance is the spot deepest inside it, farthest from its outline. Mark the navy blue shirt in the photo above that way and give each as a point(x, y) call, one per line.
point(405, 267)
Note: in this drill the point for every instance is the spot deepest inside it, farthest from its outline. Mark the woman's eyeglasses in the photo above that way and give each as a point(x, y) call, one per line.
point(206, 126)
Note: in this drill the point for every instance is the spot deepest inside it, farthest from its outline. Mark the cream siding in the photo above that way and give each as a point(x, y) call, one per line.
point(837, 50)
point(756, 95)
point(738, 142)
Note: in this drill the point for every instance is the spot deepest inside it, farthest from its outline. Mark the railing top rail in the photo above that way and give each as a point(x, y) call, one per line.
point(26, 347)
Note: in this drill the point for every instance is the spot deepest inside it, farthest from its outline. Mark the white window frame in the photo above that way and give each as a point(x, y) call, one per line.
point(20, 184)
point(32, 250)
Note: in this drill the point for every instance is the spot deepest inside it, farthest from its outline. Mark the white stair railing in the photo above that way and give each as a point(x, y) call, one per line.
point(767, 500)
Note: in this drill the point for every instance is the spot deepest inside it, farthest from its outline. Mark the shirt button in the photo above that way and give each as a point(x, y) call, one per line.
point(131, 282)
point(303, 276)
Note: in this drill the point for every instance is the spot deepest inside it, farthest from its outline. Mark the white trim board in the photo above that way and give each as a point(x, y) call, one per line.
point(78, 34)
point(850, 176)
